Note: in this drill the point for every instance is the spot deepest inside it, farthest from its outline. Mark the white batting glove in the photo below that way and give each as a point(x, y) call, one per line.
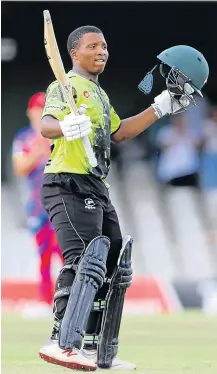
point(75, 127)
point(165, 104)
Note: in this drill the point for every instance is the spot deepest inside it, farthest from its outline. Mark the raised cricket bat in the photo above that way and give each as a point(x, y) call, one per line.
point(56, 64)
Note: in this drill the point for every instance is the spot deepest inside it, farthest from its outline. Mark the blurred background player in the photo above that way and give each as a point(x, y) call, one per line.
point(178, 163)
point(30, 153)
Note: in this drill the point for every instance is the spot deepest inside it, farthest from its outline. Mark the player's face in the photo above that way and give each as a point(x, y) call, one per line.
point(92, 53)
point(35, 115)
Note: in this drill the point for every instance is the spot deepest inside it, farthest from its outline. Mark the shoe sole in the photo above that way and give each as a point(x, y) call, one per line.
point(69, 365)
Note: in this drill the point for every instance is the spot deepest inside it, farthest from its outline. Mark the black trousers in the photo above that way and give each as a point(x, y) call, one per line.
point(80, 209)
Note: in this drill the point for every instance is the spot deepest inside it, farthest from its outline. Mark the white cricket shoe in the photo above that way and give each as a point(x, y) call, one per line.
point(72, 359)
point(117, 363)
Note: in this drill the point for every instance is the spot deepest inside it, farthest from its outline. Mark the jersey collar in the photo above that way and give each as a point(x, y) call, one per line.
point(71, 72)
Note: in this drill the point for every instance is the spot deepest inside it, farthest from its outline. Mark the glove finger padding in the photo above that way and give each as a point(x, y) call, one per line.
point(75, 127)
point(77, 136)
point(73, 121)
point(79, 128)
point(170, 103)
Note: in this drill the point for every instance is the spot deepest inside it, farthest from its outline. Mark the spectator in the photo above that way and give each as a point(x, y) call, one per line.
point(208, 172)
point(178, 162)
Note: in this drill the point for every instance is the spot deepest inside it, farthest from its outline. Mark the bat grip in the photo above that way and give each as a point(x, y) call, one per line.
point(89, 151)
point(85, 140)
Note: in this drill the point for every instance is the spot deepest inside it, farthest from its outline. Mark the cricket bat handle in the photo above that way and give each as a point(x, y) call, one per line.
point(89, 151)
point(86, 141)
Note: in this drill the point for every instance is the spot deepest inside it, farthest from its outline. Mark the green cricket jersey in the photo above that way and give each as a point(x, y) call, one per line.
point(70, 157)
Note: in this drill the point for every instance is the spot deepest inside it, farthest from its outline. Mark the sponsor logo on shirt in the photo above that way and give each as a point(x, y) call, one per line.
point(57, 107)
point(86, 94)
point(89, 204)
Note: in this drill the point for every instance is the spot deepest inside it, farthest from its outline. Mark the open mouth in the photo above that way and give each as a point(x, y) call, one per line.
point(100, 60)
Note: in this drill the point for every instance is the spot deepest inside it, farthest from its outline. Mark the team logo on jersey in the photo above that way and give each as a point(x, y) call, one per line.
point(86, 94)
point(89, 204)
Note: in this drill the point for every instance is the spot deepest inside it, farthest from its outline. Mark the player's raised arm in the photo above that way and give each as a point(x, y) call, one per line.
point(131, 127)
point(185, 71)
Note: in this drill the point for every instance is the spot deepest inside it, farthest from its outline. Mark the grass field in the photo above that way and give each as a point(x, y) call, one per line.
point(183, 344)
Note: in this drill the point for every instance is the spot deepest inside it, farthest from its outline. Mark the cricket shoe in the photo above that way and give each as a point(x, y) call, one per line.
point(117, 363)
point(71, 359)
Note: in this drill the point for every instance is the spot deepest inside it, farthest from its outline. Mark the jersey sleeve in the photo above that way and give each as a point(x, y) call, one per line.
point(55, 104)
point(115, 120)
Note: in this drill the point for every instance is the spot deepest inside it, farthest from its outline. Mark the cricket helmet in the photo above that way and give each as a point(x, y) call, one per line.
point(185, 70)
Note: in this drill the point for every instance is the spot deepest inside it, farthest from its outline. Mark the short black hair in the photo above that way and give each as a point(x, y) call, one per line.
point(76, 35)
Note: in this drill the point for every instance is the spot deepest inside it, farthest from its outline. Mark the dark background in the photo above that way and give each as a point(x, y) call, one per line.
point(136, 32)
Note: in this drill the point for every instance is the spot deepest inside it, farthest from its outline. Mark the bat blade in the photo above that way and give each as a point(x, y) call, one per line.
point(55, 60)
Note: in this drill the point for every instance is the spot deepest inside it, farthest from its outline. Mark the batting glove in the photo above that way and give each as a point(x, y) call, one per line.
point(165, 104)
point(75, 127)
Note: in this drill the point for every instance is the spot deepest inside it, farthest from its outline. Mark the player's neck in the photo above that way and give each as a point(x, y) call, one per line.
point(85, 74)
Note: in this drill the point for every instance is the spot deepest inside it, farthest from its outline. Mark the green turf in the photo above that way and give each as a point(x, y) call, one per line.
point(184, 344)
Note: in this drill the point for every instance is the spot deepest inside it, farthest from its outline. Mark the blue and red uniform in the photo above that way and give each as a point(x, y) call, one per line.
point(37, 219)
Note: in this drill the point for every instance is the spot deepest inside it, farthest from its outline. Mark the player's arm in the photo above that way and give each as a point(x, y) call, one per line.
point(50, 127)
point(133, 126)
point(57, 121)
point(71, 127)
point(55, 110)
point(23, 164)
point(130, 127)
point(28, 153)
